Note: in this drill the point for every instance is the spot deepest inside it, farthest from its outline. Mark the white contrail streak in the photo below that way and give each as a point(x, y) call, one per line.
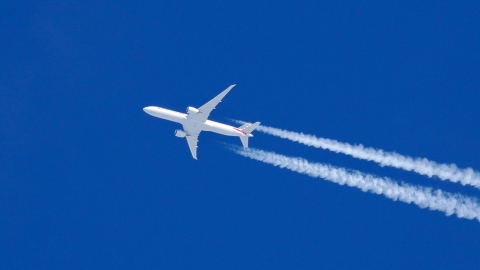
point(423, 166)
point(463, 207)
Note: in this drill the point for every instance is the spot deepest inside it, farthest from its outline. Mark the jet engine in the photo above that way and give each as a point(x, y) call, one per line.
point(192, 110)
point(180, 133)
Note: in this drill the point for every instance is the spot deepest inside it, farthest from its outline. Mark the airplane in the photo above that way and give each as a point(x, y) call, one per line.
point(195, 121)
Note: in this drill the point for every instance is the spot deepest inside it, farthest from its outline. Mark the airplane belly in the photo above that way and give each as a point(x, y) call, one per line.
point(169, 115)
point(219, 128)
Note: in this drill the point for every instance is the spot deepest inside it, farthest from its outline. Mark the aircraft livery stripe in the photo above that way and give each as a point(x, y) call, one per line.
point(244, 133)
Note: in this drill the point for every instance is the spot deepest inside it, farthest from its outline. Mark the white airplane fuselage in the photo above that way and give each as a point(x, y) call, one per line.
point(196, 120)
point(208, 125)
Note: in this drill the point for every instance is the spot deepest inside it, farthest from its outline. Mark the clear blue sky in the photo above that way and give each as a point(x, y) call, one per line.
point(89, 181)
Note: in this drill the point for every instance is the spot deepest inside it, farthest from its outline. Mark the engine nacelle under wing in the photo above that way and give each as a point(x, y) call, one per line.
point(180, 133)
point(192, 110)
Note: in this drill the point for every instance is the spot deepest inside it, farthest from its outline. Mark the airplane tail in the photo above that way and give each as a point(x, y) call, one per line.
point(247, 128)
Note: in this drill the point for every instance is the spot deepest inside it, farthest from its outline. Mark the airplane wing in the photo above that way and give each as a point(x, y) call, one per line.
point(192, 138)
point(208, 107)
point(192, 144)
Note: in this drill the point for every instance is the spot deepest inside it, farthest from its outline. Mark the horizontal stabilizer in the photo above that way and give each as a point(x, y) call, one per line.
point(244, 141)
point(250, 127)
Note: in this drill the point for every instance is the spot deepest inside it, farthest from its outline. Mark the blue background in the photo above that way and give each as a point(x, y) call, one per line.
point(89, 181)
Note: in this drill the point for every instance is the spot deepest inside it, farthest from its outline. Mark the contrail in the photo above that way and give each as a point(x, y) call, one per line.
point(421, 166)
point(461, 206)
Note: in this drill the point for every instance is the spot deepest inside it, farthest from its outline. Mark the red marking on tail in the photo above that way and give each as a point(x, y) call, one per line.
point(239, 130)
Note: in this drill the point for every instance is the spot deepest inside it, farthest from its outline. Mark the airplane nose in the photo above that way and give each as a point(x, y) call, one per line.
point(148, 109)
